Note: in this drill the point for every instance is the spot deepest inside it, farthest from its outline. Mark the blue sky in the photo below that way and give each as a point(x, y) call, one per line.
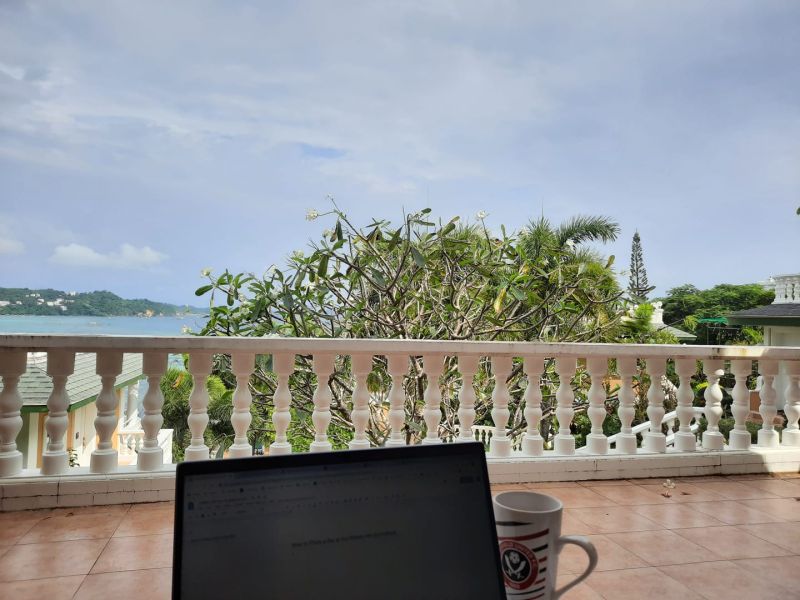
point(141, 142)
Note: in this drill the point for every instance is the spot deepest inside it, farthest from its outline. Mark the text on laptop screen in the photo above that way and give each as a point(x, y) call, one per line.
point(399, 528)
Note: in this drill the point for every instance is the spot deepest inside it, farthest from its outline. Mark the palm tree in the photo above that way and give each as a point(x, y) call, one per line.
point(541, 239)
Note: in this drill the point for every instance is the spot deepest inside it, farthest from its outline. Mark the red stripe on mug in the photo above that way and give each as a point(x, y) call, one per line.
point(525, 537)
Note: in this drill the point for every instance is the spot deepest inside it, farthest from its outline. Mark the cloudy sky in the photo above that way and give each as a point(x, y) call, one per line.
point(143, 141)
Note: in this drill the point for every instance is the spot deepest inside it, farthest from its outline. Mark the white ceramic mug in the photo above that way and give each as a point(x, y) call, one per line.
point(529, 533)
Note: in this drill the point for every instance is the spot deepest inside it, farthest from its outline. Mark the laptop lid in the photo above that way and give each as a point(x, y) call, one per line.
point(412, 522)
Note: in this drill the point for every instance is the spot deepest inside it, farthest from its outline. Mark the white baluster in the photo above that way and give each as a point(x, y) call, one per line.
point(654, 440)
point(362, 366)
point(60, 365)
point(500, 443)
point(596, 441)
point(151, 455)
point(13, 364)
point(200, 368)
point(791, 435)
point(685, 440)
point(242, 365)
point(321, 417)
point(532, 443)
point(283, 365)
point(398, 367)
point(104, 458)
point(712, 438)
point(433, 366)
point(468, 365)
point(739, 437)
point(564, 442)
point(767, 436)
point(626, 439)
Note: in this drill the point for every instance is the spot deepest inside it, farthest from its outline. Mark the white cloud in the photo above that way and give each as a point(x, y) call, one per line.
point(128, 257)
point(8, 244)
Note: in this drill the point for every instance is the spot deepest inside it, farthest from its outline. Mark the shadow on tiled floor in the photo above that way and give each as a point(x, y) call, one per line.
point(712, 536)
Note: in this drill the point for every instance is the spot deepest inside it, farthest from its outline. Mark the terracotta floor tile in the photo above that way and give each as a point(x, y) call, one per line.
point(751, 476)
point(610, 556)
point(11, 531)
point(605, 483)
point(636, 584)
point(544, 485)
point(674, 516)
point(52, 559)
point(782, 570)
point(732, 512)
point(508, 487)
point(723, 580)
point(108, 509)
point(149, 522)
point(783, 508)
point(56, 588)
point(137, 552)
point(148, 506)
point(153, 584)
point(783, 488)
point(76, 527)
point(582, 591)
point(785, 535)
point(572, 525)
point(731, 543)
point(658, 548)
point(623, 496)
point(736, 490)
point(614, 519)
point(578, 497)
point(687, 492)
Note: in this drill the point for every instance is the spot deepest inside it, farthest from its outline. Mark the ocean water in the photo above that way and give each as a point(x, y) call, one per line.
point(101, 325)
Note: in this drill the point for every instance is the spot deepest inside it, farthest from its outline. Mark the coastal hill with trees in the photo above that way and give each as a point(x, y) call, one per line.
point(24, 301)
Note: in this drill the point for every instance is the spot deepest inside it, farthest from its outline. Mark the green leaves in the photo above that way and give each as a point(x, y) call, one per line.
point(417, 256)
point(203, 290)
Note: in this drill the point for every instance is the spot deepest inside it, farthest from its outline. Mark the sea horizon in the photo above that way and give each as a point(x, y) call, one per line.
point(91, 325)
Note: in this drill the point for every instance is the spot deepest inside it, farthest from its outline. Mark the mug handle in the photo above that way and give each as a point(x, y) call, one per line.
point(584, 543)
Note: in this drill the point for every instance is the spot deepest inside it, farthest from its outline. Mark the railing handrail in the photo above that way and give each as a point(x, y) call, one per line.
point(412, 347)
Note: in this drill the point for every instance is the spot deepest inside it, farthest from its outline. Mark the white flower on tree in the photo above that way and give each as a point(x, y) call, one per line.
point(311, 214)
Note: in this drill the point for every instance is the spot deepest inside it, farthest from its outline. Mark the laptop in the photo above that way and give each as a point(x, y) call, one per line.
point(412, 522)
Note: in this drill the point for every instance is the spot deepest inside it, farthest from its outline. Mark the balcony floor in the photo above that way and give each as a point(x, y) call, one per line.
point(712, 536)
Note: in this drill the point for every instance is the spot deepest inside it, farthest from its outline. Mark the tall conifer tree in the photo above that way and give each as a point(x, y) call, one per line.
point(638, 287)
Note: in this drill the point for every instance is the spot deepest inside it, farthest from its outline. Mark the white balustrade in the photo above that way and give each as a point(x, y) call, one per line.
point(12, 366)
point(685, 440)
point(60, 365)
point(533, 443)
point(242, 365)
point(791, 435)
point(433, 367)
point(655, 440)
point(565, 442)
point(767, 436)
point(150, 453)
point(104, 458)
point(390, 418)
point(200, 368)
point(626, 438)
point(500, 444)
point(468, 366)
point(712, 438)
point(283, 365)
point(321, 417)
point(596, 441)
point(739, 437)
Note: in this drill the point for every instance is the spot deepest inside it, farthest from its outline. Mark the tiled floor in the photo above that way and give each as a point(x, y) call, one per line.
point(714, 537)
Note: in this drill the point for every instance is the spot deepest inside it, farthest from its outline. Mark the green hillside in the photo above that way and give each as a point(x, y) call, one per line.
point(24, 301)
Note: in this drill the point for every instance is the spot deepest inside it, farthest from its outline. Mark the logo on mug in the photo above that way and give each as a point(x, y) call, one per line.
point(520, 566)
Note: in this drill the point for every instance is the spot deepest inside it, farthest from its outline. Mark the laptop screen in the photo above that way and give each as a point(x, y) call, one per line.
point(386, 523)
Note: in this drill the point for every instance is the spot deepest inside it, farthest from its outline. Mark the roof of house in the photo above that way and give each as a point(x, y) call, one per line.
point(82, 386)
point(781, 313)
point(680, 334)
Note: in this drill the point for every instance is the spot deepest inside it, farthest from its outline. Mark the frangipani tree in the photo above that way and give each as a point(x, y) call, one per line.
point(421, 279)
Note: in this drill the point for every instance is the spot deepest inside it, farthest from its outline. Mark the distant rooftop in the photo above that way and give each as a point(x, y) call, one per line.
point(784, 310)
point(82, 386)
